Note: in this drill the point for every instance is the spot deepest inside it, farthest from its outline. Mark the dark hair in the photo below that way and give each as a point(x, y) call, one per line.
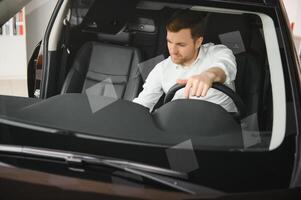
point(187, 19)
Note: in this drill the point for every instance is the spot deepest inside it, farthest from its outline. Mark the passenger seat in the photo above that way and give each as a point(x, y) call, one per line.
point(98, 62)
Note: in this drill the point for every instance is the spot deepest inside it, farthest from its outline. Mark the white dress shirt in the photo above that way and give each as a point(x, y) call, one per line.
point(166, 73)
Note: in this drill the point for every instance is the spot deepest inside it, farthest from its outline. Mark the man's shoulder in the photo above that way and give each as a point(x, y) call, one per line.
point(161, 66)
point(164, 63)
point(210, 47)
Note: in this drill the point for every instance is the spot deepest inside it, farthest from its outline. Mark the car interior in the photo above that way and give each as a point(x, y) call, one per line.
point(113, 45)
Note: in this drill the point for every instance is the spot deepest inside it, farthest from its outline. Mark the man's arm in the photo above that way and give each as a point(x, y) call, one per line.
point(223, 70)
point(152, 89)
point(198, 85)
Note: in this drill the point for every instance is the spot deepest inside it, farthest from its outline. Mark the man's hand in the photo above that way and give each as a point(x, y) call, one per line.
point(198, 85)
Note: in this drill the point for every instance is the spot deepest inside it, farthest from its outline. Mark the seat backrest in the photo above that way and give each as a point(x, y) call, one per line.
point(107, 64)
point(235, 31)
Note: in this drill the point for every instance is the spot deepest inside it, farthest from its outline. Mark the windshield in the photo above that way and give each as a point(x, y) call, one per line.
point(111, 90)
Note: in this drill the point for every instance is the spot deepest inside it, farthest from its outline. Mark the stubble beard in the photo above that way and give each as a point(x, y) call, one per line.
point(179, 60)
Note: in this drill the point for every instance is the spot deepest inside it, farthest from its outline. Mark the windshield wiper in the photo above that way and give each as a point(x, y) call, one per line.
point(164, 176)
point(171, 178)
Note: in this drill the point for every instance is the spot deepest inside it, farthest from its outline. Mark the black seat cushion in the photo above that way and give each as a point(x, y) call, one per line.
point(250, 62)
point(249, 81)
point(107, 64)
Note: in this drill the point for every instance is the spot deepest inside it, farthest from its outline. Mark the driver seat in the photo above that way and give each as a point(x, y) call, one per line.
point(249, 58)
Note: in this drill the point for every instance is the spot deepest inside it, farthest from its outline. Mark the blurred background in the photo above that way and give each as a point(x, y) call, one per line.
point(293, 9)
point(18, 39)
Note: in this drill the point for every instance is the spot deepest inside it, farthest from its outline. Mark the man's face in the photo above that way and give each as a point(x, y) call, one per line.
point(183, 49)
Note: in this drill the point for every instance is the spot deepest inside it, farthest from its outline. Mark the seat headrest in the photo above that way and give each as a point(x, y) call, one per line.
point(231, 30)
point(118, 38)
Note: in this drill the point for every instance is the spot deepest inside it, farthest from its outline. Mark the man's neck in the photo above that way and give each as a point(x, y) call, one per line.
point(191, 61)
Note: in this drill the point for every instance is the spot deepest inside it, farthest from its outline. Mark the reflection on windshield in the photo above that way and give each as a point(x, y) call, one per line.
point(105, 90)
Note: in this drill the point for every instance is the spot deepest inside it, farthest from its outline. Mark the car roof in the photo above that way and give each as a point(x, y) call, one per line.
point(241, 2)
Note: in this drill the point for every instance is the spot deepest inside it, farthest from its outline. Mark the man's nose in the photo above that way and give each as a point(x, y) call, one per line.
point(173, 49)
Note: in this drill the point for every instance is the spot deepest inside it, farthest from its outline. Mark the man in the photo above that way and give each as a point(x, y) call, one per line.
point(190, 63)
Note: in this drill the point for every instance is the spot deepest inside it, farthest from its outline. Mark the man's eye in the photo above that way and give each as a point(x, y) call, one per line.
point(182, 45)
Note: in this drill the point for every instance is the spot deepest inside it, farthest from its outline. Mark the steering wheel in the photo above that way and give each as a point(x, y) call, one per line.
point(241, 109)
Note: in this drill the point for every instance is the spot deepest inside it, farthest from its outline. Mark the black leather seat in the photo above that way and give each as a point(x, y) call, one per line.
point(98, 62)
point(250, 62)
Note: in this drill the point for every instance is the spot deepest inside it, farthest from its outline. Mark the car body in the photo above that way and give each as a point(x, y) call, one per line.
point(80, 136)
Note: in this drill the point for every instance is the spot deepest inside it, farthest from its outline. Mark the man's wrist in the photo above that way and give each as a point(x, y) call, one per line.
point(216, 74)
point(212, 76)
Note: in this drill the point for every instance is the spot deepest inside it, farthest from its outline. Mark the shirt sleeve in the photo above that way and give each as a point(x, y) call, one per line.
point(152, 89)
point(222, 57)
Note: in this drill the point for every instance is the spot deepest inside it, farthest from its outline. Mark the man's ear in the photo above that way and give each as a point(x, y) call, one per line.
point(199, 42)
